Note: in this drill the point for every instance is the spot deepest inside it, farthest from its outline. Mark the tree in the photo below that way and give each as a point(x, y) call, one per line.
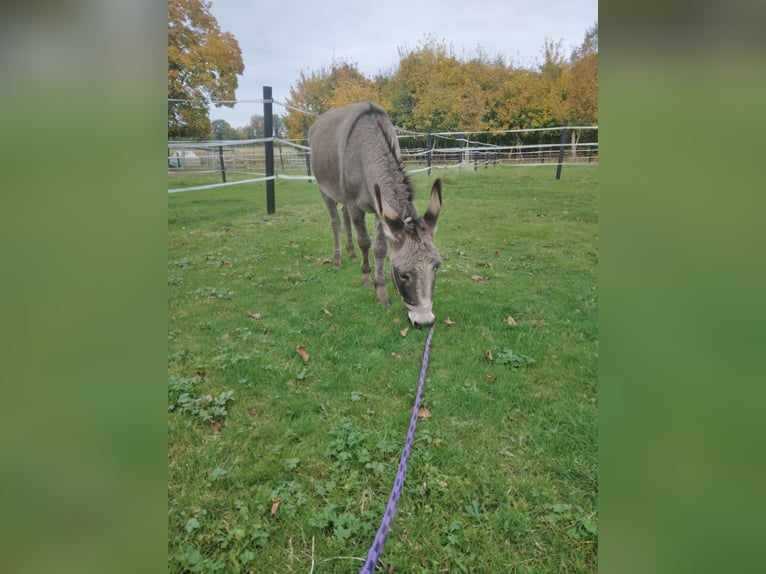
point(320, 91)
point(203, 65)
point(583, 82)
point(255, 129)
point(221, 129)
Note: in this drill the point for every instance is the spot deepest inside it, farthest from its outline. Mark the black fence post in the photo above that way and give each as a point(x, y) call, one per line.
point(308, 153)
point(561, 149)
point(220, 156)
point(268, 129)
point(429, 147)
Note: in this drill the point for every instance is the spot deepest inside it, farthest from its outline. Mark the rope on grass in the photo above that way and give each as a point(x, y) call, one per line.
point(396, 491)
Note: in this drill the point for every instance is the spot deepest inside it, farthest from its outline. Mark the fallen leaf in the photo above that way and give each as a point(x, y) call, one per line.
point(226, 263)
point(307, 257)
point(255, 316)
point(216, 426)
point(480, 263)
point(479, 278)
point(510, 320)
point(225, 337)
point(537, 394)
point(326, 312)
point(497, 254)
point(404, 331)
point(489, 356)
point(253, 412)
point(424, 413)
point(301, 350)
point(449, 321)
point(491, 378)
point(395, 356)
point(324, 261)
point(274, 507)
point(201, 374)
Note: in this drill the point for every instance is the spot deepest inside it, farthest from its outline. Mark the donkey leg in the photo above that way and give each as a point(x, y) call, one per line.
point(349, 239)
point(379, 251)
point(332, 209)
point(364, 242)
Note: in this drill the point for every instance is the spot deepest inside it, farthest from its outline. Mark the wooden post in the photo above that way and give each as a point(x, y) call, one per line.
point(268, 129)
point(561, 149)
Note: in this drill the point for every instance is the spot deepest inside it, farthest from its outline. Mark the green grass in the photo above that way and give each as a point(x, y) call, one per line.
point(280, 465)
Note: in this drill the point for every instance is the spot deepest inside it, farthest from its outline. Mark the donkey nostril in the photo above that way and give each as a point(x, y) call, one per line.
point(415, 324)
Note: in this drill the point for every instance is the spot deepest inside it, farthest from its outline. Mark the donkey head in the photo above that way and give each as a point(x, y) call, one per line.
point(414, 257)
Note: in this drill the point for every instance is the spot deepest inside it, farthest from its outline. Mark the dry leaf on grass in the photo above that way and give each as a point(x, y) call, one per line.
point(489, 356)
point(226, 263)
point(253, 412)
point(479, 278)
point(301, 350)
point(395, 356)
point(328, 313)
point(510, 320)
point(216, 426)
point(449, 321)
point(424, 413)
point(404, 331)
point(255, 316)
point(324, 261)
point(274, 507)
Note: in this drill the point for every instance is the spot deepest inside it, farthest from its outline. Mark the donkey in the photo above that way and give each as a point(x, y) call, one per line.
point(357, 162)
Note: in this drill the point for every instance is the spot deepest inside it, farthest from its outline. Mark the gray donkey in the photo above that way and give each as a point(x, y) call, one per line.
point(357, 162)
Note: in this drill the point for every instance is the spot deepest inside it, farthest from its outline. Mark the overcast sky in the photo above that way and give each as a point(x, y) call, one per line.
point(279, 39)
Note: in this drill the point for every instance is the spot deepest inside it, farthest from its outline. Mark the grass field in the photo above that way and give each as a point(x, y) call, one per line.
point(280, 464)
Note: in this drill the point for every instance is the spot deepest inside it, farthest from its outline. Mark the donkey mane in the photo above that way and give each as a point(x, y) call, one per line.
point(397, 157)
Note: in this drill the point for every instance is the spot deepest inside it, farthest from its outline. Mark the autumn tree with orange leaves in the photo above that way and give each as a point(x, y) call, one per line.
point(203, 65)
point(433, 88)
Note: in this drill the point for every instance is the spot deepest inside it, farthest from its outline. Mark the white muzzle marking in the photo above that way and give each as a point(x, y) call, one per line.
point(421, 316)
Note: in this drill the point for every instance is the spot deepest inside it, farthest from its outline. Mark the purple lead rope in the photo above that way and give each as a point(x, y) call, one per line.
point(393, 499)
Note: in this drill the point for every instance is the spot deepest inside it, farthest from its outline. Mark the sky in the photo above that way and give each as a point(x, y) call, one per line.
point(279, 39)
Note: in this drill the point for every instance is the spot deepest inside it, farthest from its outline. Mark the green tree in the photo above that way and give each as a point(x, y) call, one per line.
point(203, 65)
point(221, 129)
point(255, 128)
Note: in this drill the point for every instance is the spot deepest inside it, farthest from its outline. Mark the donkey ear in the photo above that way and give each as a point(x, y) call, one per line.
point(393, 223)
point(434, 205)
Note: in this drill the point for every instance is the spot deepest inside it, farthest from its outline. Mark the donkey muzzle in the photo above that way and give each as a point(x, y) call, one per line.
point(421, 316)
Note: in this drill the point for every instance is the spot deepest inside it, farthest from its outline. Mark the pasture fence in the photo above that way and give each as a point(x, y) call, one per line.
point(195, 165)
